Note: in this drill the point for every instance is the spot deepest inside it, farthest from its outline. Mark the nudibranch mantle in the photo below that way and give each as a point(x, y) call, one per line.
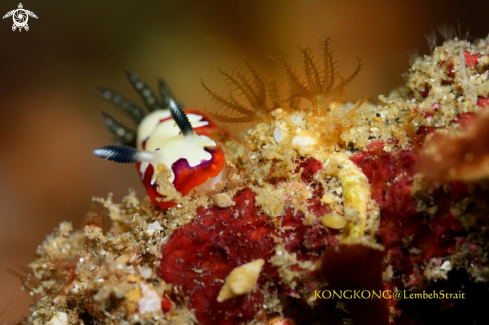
point(182, 140)
point(158, 132)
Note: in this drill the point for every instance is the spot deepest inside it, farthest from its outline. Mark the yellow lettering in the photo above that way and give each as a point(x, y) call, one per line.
point(336, 294)
point(374, 294)
point(345, 296)
point(316, 294)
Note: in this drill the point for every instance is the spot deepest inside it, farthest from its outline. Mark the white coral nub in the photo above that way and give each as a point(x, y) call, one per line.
point(241, 280)
point(59, 319)
point(152, 227)
point(150, 302)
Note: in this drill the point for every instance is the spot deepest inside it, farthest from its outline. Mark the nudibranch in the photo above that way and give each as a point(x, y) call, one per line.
point(182, 140)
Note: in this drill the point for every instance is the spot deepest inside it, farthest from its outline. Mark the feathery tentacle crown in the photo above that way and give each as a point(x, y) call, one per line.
point(168, 135)
point(321, 81)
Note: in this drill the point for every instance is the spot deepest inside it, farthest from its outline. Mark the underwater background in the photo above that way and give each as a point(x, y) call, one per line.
point(50, 114)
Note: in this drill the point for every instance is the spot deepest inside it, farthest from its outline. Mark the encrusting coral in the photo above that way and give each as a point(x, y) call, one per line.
point(317, 197)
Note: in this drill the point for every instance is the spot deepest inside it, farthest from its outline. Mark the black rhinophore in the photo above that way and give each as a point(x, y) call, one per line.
point(180, 118)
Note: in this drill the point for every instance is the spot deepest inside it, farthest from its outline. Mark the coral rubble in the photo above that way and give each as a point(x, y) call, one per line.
point(329, 197)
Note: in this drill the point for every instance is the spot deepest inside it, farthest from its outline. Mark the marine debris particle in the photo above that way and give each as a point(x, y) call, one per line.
point(241, 280)
point(335, 196)
point(333, 221)
point(222, 200)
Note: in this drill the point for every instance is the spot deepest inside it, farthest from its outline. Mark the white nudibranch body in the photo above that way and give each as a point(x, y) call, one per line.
point(169, 145)
point(181, 140)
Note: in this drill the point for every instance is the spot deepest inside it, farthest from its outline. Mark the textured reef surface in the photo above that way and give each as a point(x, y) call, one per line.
point(321, 195)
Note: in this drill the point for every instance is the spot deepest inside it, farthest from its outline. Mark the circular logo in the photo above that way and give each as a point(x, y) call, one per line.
point(20, 17)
